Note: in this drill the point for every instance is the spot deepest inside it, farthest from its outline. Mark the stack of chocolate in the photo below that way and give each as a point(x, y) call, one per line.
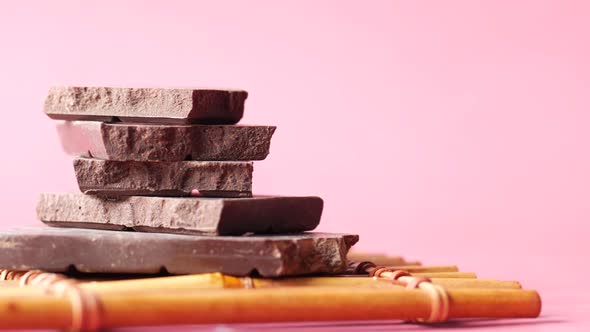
point(166, 181)
point(151, 162)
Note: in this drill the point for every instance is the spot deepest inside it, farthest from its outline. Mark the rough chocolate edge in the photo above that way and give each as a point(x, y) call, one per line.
point(268, 256)
point(223, 108)
point(149, 178)
point(259, 215)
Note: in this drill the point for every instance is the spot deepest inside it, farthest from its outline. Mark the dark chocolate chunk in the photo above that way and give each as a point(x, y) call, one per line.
point(150, 142)
point(164, 178)
point(197, 215)
point(180, 106)
point(98, 251)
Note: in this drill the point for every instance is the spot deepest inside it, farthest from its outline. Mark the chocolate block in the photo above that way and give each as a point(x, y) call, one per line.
point(215, 216)
point(180, 106)
point(145, 142)
point(166, 178)
point(98, 251)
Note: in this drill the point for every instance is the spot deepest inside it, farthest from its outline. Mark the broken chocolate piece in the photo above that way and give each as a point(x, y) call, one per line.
point(97, 251)
point(150, 142)
point(197, 215)
point(165, 178)
point(180, 106)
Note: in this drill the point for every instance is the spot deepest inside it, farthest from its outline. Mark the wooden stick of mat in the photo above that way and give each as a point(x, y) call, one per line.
point(379, 259)
point(266, 305)
point(191, 283)
point(455, 275)
point(445, 271)
point(424, 269)
point(385, 283)
point(218, 280)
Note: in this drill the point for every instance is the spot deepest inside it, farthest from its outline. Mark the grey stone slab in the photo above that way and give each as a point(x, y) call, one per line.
point(164, 178)
point(174, 106)
point(99, 251)
point(215, 216)
point(151, 142)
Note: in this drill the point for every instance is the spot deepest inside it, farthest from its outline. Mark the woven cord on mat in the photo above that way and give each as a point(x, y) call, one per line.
point(86, 309)
point(439, 298)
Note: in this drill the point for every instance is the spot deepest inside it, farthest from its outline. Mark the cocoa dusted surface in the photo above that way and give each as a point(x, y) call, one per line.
point(99, 251)
point(172, 178)
point(194, 215)
point(171, 106)
point(151, 142)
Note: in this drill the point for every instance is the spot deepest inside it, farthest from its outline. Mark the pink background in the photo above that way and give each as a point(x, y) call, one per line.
point(454, 132)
